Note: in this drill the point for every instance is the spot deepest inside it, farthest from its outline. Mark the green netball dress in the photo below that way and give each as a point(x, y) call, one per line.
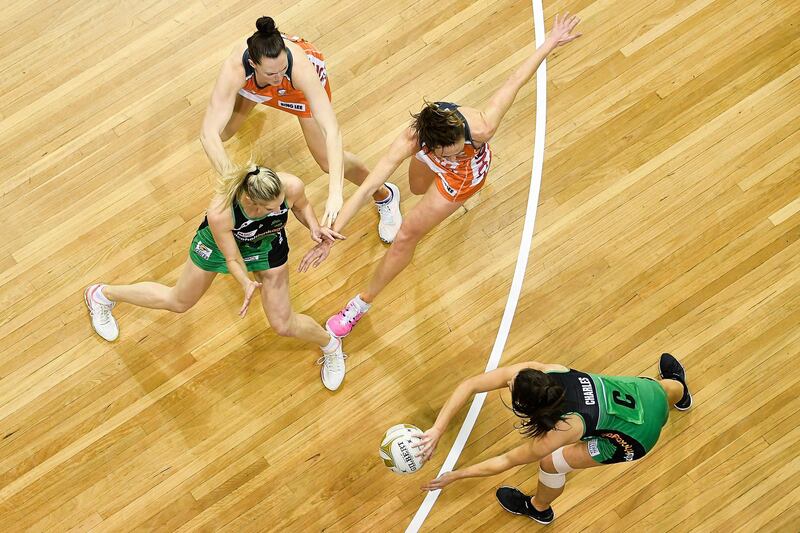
point(262, 241)
point(622, 415)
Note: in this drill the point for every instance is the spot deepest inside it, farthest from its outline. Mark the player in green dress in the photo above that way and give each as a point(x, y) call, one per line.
point(575, 420)
point(243, 232)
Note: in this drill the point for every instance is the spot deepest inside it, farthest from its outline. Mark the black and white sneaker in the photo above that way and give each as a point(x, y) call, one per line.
point(670, 368)
point(515, 502)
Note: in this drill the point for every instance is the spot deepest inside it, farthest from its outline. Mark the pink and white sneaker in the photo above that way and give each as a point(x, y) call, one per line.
point(342, 323)
point(103, 321)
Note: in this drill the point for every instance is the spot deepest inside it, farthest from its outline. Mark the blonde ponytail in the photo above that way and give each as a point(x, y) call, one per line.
point(261, 184)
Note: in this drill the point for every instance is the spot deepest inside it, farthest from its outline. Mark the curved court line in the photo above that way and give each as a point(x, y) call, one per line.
point(519, 271)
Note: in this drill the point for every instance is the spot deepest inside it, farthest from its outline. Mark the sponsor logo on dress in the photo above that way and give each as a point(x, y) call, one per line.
point(246, 234)
point(593, 447)
point(202, 250)
point(251, 258)
point(626, 447)
point(281, 92)
point(292, 105)
point(451, 191)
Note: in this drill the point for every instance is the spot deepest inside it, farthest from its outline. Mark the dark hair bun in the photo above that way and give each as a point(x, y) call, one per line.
point(266, 25)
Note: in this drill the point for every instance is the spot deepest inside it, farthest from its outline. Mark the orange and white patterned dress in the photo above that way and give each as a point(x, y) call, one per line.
point(285, 96)
point(465, 174)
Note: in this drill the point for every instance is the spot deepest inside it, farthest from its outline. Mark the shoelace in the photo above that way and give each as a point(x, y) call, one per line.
point(105, 314)
point(332, 361)
point(385, 212)
point(350, 312)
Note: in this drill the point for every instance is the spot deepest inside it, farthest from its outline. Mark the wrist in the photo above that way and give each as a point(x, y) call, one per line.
point(550, 44)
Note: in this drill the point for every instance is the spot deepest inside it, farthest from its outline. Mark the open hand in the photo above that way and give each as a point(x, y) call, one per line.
point(315, 256)
point(561, 33)
point(249, 290)
point(332, 207)
point(440, 482)
point(427, 443)
point(323, 233)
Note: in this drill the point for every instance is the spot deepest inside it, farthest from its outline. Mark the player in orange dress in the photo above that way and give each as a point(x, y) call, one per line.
point(452, 159)
point(289, 74)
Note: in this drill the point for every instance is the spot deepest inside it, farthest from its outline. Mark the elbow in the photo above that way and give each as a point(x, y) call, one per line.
point(204, 138)
point(468, 387)
point(208, 136)
point(487, 130)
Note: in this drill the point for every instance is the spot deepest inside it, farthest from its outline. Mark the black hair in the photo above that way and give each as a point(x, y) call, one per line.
point(539, 400)
point(266, 41)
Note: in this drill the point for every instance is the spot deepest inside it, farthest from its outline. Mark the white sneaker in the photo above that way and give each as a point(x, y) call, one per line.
point(103, 321)
point(333, 368)
point(391, 218)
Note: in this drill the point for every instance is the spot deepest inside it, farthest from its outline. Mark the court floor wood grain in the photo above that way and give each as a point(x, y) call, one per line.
point(669, 220)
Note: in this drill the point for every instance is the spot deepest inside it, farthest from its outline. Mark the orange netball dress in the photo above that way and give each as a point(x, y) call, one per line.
point(465, 175)
point(284, 96)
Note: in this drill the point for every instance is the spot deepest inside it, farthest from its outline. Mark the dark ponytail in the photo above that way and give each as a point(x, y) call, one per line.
point(538, 399)
point(266, 42)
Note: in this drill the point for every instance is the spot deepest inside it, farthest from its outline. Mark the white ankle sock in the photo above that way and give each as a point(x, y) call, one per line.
point(331, 346)
point(361, 304)
point(387, 199)
point(100, 298)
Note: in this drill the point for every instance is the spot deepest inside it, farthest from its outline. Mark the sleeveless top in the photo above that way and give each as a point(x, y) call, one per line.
point(469, 168)
point(251, 231)
point(601, 400)
point(285, 96)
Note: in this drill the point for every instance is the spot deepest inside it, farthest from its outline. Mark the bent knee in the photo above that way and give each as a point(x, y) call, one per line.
point(178, 306)
point(408, 235)
point(281, 326)
point(546, 464)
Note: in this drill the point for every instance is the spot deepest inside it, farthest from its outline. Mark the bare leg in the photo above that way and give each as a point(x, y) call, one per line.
point(190, 287)
point(420, 176)
point(674, 390)
point(278, 308)
point(577, 456)
point(429, 212)
point(241, 109)
point(355, 170)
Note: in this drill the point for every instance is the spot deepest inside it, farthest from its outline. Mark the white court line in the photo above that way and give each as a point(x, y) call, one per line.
point(519, 272)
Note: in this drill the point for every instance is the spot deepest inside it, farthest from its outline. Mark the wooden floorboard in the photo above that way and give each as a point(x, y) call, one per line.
point(669, 220)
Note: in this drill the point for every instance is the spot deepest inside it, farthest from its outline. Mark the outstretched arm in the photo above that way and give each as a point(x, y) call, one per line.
point(529, 452)
point(219, 112)
point(501, 101)
point(401, 149)
point(496, 379)
point(307, 80)
point(304, 212)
